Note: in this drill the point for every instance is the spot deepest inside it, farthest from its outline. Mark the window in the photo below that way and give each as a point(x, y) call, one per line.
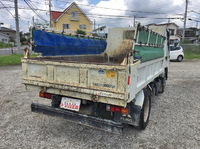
point(66, 26)
point(173, 48)
point(171, 31)
point(4, 40)
point(74, 14)
point(82, 26)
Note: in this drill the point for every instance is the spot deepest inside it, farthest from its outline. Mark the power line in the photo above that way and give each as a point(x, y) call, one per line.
point(111, 8)
point(117, 16)
point(33, 9)
point(8, 10)
point(23, 8)
point(7, 0)
point(194, 11)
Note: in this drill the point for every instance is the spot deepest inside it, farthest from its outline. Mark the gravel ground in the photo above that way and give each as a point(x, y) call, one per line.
point(174, 121)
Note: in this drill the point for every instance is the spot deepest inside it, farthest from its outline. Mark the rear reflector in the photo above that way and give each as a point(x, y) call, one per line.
point(128, 80)
point(45, 95)
point(119, 109)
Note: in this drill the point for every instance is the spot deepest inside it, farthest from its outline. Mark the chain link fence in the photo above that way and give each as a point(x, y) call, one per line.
point(191, 48)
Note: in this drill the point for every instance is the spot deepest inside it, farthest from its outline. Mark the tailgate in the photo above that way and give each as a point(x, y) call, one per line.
point(94, 79)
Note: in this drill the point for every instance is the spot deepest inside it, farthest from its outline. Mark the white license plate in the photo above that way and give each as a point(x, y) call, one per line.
point(70, 104)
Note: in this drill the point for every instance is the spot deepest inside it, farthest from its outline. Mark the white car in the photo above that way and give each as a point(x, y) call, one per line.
point(176, 53)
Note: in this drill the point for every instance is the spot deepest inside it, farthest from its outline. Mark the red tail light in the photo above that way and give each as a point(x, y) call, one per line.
point(45, 95)
point(119, 109)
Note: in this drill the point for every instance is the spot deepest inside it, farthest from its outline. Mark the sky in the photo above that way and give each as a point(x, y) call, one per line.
point(111, 13)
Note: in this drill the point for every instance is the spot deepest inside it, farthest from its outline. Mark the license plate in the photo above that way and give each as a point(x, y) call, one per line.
point(70, 104)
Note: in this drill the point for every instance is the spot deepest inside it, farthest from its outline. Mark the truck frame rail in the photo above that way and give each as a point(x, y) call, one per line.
point(104, 124)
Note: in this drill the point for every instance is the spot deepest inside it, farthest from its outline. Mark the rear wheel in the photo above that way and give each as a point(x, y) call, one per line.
point(145, 111)
point(180, 58)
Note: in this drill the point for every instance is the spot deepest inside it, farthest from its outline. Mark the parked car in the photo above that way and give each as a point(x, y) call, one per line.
point(176, 53)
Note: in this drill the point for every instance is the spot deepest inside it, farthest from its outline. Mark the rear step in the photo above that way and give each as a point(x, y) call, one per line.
point(103, 124)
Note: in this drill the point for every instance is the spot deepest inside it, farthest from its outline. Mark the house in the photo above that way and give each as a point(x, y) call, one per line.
point(172, 27)
point(4, 38)
point(7, 31)
point(190, 34)
point(42, 25)
point(71, 19)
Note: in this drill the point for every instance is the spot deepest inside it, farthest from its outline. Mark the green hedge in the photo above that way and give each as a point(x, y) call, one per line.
point(4, 45)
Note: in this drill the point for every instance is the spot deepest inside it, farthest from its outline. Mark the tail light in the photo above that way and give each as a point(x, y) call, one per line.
point(45, 95)
point(119, 109)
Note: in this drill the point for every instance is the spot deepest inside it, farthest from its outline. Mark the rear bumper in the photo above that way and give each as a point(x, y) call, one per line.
point(104, 124)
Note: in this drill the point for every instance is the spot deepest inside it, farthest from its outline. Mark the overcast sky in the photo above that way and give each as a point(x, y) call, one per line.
point(112, 13)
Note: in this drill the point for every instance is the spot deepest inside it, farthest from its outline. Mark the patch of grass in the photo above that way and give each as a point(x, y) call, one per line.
point(12, 59)
point(5, 45)
point(7, 101)
point(191, 55)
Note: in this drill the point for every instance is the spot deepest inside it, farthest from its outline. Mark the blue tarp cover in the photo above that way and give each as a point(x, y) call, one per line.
point(51, 44)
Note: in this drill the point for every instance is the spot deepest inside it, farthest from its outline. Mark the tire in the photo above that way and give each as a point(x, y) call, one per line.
point(145, 111)
point(179, 58)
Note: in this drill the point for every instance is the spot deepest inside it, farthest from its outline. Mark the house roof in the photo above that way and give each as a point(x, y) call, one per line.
point(5, 29)
point(56, 14)
point(154, 24)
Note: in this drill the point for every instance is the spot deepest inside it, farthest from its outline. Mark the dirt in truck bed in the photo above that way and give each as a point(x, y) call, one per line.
point(95, 59)
point(174, 120)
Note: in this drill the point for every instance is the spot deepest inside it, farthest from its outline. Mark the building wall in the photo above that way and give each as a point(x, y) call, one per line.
point(173, 37)
point(74, 22)
point(10, 34)
point(4, 39)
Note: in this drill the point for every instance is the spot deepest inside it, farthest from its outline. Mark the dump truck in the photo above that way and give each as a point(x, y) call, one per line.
point(106, 90)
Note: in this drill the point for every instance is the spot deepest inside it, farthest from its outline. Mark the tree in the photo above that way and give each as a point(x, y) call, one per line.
point(20, 34)
point(22, 39)
point(80, 32)
point(12, 40)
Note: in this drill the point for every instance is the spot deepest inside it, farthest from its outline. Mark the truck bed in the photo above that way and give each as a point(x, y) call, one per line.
point(90, 77)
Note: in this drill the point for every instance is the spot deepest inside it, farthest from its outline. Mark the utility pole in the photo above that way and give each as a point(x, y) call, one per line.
point(50, 13)
point(197, 33)
point(94, 24)
point(134, 21)
point(17, 27)
point(28, 25)
point(185, 17)
point(33, 21)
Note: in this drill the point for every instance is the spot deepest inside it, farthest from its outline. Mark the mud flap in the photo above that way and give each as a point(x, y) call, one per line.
point(133, 118)
point(134, 107)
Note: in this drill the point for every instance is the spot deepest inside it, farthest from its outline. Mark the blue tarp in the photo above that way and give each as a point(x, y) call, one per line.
point(51, 44)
